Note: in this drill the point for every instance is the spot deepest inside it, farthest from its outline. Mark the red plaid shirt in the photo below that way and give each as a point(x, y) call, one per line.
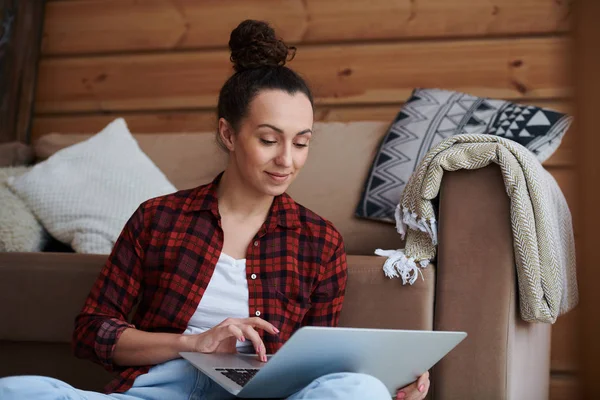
point(167, 253)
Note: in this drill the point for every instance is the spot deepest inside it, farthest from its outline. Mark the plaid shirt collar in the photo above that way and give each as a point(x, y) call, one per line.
point(284, 210)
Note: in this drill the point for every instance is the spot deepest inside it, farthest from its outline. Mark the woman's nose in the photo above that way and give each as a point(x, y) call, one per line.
point(284, 158)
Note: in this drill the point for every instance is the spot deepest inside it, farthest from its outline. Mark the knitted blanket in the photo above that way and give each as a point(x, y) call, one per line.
point(544, 246)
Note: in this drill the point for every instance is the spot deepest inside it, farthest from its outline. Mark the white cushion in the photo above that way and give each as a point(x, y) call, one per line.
point(85, 193)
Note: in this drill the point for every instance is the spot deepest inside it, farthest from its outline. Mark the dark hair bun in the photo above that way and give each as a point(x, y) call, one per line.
point(253, 45)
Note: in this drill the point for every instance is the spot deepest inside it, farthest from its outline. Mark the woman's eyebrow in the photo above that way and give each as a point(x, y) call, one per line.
point(276, 129)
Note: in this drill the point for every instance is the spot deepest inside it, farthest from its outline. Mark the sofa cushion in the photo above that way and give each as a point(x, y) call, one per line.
point(20, 230)
point(84, 194)
point(37, 328)
point(48, 312)
point(330, 183)
point(14, 154)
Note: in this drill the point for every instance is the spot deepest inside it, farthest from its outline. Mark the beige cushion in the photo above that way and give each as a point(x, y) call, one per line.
point(332, 181)
point(15, 154)
point(330, 184)
point(20, 231)
point(187, 159)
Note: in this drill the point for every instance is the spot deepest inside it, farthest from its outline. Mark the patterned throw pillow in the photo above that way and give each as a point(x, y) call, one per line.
point(432, 115)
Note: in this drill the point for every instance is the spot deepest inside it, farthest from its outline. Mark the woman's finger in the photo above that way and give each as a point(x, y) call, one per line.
point(230, 321)
point(423, 379)
point(407, 392)
point(259, 346)
point(237, 332)
point(426, 389)
point(257, 322)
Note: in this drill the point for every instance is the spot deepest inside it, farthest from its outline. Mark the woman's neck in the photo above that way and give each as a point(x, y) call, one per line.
point(237, 198)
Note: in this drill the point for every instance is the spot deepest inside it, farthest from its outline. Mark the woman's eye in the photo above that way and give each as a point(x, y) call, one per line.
point(301, 144)
point(268, 141)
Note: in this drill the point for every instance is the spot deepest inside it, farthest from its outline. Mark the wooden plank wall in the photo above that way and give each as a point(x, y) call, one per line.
point(20, 35)
point(160, 64)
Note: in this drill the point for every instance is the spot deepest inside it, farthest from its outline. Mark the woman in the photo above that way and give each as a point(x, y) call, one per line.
point(235, 265)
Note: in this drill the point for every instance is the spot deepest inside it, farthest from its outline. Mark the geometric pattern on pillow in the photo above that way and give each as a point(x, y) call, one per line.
point(432, 115)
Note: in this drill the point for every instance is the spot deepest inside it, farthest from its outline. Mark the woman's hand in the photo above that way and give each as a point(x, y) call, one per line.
point(415, 391)
point(222, 338)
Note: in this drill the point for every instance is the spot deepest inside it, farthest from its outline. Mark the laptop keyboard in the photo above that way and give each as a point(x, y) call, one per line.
point(240, 376)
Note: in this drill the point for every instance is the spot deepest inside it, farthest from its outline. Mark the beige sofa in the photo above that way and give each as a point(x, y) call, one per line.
point(471, 287)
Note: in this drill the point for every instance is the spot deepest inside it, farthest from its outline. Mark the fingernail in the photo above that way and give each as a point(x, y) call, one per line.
point(421, 388)
point(276, 330)
point(401, 395)
point(243, 339)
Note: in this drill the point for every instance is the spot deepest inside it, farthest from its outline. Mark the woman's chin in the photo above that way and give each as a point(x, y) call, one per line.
point(273, 187)
point(272, 190)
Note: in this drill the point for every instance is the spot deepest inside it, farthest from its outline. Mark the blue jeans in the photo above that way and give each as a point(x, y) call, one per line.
point(179, 380)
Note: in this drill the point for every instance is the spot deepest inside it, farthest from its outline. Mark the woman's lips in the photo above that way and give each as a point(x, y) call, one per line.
point(280, 178)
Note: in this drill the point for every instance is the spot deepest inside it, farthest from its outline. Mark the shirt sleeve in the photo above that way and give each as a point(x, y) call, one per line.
point(328, 297)
point(113, 295)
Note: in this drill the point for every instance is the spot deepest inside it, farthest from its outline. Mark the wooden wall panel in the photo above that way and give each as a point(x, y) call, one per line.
point(20, 35)
point(586, 62)
point(205, 119)
point(95, 26)
point(376, 73)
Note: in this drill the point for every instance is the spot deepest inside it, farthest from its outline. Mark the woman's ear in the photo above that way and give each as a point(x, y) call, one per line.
point(227, 134)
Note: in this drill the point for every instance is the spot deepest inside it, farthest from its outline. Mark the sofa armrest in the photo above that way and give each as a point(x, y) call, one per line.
point(374, 301)
point(41, 293)
point(503, 357)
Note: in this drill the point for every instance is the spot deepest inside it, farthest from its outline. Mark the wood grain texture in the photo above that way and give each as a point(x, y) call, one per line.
point(20, 34)
point(97, 26)
point(193, 120)
point(376, 73)
point(586, 64)
point(205, 119)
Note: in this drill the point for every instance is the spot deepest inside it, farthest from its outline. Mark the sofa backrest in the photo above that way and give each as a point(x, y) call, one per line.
point(331, 182)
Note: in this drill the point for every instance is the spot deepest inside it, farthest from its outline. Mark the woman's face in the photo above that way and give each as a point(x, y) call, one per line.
point(271, 146)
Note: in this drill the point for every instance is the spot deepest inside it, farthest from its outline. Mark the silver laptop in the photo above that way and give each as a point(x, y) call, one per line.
point(395, 357)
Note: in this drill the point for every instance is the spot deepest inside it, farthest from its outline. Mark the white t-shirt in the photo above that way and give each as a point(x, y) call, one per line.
point(226, 296)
